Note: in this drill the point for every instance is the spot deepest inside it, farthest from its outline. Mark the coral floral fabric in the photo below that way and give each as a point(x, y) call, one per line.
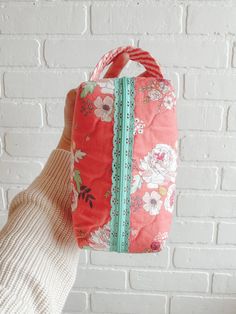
point(154, 164)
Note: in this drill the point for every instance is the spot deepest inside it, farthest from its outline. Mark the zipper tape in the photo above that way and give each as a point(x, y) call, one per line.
point(122, 164)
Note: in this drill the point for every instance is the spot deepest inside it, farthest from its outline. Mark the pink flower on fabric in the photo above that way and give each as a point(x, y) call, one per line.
point(152, 202)
point(104, 108)
point(170, 199)
point(154, 94)
point(100, 238)
point(169, 101)
point(159, 165)
point(164, 87)
point(159, 241)
point(74, 201)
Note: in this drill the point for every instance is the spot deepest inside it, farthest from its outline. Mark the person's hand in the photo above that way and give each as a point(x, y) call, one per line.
point(65, 140)
point(113, 71)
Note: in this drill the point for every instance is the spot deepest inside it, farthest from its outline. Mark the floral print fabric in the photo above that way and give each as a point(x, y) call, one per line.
point(154, 164)
point(104, 108)
point(158, 165)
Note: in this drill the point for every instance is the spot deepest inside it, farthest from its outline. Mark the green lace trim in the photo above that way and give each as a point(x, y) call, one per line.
point(122, 164)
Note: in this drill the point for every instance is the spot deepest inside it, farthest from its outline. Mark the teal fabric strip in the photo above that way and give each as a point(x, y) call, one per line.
point(116, 161)
point(122, 164)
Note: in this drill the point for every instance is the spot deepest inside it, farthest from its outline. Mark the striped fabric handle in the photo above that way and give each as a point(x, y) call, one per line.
point(135, 54)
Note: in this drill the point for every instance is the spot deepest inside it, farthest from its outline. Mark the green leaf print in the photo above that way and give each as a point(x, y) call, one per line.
point(85, 194)
point(136, 184)
point(88, 88)
point(78, 180)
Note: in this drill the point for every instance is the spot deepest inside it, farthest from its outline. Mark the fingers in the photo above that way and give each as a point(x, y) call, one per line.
point(70, 97)
point(118, 64)
point(69, 109)
point(65, 141)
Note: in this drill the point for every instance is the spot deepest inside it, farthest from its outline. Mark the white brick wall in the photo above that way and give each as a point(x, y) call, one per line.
point(48, 47)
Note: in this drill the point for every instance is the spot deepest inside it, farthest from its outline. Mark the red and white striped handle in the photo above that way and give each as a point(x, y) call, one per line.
point(135, 54)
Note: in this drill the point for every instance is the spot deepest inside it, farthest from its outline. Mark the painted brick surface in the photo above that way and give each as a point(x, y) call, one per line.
point(24, 145)
point(131, 260)
point(13, 114)
point(19, 172)
point(137, 18)
point(55, 114)
point(206, 205)
point(198, 117)
point(40, 84)
point(79, 52)
point(3, 219)
point(50, 47)
point(43, 18)
point(197, 177)
point(100, 278)
point(1, 146)
point(202, 305)
point(191, 232)
point(76, 302)
point(198, 52)
point(205, 258)
point(207, 19)
point(205, 148)
point(2, 199)
point(169, 281)
point(226, 234)
point(231, 122)
point(224, 283)
point(210, 86)
point(19, 52)
point(12, 192)
point(128, 303)
point(229, 179)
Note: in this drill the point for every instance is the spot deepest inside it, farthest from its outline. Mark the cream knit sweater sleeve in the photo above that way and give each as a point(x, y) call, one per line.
point(38, 251)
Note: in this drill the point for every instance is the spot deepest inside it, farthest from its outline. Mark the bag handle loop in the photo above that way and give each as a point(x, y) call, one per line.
point(135, 54)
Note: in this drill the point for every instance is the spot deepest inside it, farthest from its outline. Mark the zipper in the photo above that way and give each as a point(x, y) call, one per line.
point(122, 163)
point(123, 171)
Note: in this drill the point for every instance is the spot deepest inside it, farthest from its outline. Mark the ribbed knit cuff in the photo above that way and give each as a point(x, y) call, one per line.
point(51, 185)
point(39, 254)
point(54, 179)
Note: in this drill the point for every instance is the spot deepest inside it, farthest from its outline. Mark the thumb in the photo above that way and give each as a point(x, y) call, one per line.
point(69, 112)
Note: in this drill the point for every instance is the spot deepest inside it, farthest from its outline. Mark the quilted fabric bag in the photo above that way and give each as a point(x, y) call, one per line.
point(124, 158)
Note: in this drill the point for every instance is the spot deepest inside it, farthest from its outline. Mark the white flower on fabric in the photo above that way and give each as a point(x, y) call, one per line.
point(154, 94)
point(159, 165)
point(100, 238)
point(164, 87)
point(133, 232)
point(170, 199)
point(104, 108)
point(152, 202)
point(79, 155)
point(107, 86)
point(138, 126)
point(74, 201)
point(169, 101)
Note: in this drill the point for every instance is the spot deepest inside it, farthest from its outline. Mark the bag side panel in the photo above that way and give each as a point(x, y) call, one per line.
point(92, 168)
point(154, 165)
